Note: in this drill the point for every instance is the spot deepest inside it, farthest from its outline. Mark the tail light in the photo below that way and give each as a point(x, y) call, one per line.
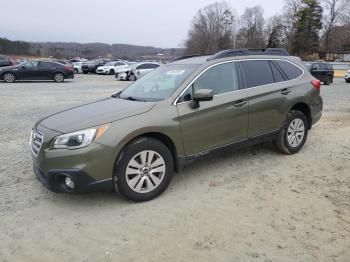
point(316, 84)
point(68, 68)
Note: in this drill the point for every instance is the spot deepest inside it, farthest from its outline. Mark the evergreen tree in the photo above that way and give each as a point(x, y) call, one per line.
point(274, 37)
point(308, 24)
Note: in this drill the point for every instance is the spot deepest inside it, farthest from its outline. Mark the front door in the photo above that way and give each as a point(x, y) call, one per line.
point(219, 122)
point(28, 71)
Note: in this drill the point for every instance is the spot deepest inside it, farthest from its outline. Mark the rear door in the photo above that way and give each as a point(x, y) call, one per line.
point(268, 93)
point(219, 122)
point(46, 69)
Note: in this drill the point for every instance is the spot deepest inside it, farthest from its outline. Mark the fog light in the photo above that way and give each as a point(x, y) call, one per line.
point(69, 182)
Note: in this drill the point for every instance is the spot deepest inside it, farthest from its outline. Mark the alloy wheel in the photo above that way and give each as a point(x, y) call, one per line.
point(145, 171)
point(59, 78)
point(296, 132)
point(9, 78)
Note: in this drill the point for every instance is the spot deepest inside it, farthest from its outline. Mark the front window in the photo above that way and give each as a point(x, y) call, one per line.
point(109, 64)
point(159, 84)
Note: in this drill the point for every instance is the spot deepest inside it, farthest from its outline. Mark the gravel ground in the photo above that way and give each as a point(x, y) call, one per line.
point(251, 205)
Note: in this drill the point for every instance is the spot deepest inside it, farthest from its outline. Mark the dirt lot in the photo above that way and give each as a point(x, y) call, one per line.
point(252, 205)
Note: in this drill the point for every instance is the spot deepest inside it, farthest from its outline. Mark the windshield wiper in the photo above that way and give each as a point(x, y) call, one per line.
point(131, 98)
point(116, 94)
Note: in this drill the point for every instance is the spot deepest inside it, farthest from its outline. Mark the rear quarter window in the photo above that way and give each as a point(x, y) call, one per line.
point(289, 69)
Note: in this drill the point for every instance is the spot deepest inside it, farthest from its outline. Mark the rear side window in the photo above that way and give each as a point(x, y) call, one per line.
point(290, 70)
point(277, 73)
point(46, 64)
point(257, 73)
point(2, 58)
point(152, 66)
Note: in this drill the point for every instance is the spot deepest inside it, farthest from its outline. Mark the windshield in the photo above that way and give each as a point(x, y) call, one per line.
point(158, 84)
point(110, 64)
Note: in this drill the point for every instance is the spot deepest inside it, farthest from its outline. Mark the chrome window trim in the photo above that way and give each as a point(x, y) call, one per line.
point(238, 60)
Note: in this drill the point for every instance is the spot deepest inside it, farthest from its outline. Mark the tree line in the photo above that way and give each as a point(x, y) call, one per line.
point(303, 28)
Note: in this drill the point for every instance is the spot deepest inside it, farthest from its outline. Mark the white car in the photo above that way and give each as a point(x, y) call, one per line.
point(77, 67)
point(111, 67)
point(347, 77)
point(136, 71)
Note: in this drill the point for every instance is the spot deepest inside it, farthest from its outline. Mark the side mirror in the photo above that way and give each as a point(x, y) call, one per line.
point(202, 95)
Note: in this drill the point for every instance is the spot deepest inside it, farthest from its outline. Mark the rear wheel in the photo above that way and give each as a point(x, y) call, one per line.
point(9, 77)
point(75, 71)
point(347, 80)
point(85, 72)
point(293, 133)
point(144, 170)
point(111, 72)
point(58, 77)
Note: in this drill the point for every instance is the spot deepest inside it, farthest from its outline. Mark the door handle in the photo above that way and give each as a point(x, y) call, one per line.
point(285, 91)
point(240, 103)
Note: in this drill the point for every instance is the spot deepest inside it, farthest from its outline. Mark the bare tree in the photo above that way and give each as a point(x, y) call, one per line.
point(251, 31)
point(290, 10)
point(334, 12)
point(212, 29)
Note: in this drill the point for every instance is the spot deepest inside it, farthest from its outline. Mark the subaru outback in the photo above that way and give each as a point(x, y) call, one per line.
point(135, 140)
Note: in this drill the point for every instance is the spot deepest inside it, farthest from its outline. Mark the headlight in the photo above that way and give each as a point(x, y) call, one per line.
point(78, 139)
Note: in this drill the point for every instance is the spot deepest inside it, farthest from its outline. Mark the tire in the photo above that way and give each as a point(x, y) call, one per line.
point(289, 140)
point(9, 77)
point(132, 77)
point(58, 77)
point(347, 81)
point(111, 72)
point(327, 81)
point(129, 172)
point(85, 72)
point(75, 71)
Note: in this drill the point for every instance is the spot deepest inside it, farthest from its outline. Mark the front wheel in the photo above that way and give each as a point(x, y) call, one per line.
point(143, 170)
point(347, 80)
point(132, 77)
point(9, 77)
point(58, 77)
point(293, 134)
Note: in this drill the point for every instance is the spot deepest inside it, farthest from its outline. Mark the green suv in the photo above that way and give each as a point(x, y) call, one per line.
point(135, 140)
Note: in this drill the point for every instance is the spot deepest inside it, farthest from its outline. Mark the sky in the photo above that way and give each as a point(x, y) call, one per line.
point(159, 23)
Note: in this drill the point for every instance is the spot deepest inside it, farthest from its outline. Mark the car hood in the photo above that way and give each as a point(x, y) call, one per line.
point(94, 114)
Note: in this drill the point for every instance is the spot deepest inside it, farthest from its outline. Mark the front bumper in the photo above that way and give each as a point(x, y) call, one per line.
point(55, 181)
point(121, 76)
point(102, 71)
point(91, 168)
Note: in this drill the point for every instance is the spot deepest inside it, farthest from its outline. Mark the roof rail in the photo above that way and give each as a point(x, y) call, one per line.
point(189, 56)
point(246, 51)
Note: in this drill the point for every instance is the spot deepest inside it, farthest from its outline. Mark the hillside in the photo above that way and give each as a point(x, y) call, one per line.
point(91, 50)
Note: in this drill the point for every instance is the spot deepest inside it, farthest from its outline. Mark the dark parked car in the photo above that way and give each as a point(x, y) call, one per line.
point(5, 61)
point(91, 66)
point(36, 70)
point(322, 71)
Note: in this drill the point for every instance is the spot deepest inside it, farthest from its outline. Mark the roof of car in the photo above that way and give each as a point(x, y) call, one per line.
point(234, 54)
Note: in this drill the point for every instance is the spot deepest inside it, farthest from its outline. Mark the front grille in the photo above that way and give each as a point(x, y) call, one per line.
point(36, 141)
